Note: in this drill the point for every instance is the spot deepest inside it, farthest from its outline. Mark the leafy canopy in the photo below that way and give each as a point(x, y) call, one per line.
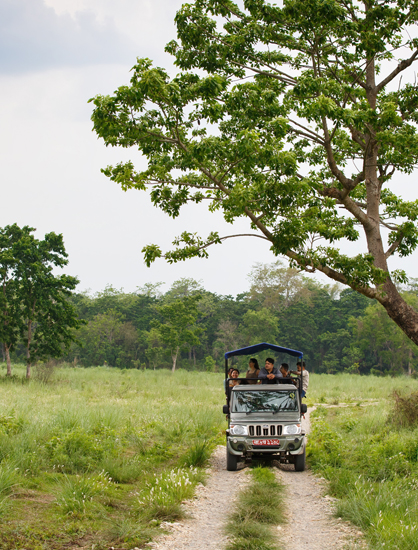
point(293, 115)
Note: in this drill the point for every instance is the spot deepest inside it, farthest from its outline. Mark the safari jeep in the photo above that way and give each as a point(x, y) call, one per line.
point(264, 420)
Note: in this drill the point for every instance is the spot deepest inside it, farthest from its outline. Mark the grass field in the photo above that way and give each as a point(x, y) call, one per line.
point(101, 457)
point(368, 451)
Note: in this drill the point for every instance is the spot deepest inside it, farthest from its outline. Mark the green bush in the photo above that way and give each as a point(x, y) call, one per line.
point(405, 409)
point(8, 481)
point(198, 454)
point(162, 497)
point(10, 425)
point(81, 451)
point(76, 494)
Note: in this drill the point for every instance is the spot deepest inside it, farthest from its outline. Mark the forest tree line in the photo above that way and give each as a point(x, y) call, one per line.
point(191, 328)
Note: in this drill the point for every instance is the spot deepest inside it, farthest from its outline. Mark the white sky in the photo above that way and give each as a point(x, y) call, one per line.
point(54, 56)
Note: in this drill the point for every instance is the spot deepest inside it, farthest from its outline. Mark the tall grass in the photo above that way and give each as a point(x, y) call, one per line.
point(370, 457)
point(58, 439)
point(351, 388)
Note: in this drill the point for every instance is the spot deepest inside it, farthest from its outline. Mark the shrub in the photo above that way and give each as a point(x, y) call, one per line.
point(198, 454)
point(76, 494)
point(10, 425)
point(44, 372)
point(128, 530)
point(162, 498)
point(405, 409)
point(81, 451)
point(8, 480)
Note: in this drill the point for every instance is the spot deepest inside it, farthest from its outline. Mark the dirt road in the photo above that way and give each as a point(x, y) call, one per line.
point(310, 524)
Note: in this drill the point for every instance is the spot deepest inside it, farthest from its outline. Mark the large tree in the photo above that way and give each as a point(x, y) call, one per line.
point(34, 302)
point(11, 320)
point(178, 330)
point(296, 116)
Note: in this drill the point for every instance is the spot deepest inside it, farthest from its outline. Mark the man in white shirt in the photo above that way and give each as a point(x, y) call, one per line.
point(305, 380)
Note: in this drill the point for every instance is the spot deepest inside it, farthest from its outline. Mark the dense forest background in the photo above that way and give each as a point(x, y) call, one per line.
point(188, 327)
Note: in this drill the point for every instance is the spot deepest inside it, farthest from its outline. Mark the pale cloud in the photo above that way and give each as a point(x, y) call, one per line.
point(34, 37)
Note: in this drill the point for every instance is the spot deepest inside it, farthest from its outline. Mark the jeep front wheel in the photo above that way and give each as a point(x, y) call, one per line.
point(300, 462)
point(231, 461)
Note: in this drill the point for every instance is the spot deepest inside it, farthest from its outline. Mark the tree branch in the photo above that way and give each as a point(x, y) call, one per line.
point(315, 137)
point(332, 274)
point(393, 247)
point(229, 237)
point(404, 64)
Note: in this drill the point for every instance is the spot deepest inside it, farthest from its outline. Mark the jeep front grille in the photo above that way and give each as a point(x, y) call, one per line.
point(264, 429)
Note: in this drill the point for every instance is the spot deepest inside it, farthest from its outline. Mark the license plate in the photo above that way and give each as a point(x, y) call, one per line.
point(266, 442)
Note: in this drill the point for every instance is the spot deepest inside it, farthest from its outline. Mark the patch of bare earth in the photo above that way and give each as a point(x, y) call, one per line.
point(311, 523)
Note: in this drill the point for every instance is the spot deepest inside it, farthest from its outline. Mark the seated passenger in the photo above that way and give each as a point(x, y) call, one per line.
point(269, 374)
point(285, 373)
point(253, 371)
point(234, 374)
point(229, 376)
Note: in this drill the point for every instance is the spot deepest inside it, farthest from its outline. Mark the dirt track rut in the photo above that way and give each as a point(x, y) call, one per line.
point(309, 513)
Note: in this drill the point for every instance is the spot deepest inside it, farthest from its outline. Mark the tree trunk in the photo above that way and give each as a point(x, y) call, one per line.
point(174, 358)
point(8, 362)
point(399, 311)
point(28, 361)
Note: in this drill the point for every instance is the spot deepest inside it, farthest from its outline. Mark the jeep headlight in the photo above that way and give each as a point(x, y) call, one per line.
point(291, 429)
point(238, 429)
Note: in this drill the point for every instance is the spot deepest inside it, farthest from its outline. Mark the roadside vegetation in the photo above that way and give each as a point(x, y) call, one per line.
point(102, 457)
point(368, 451)
point(259, 507)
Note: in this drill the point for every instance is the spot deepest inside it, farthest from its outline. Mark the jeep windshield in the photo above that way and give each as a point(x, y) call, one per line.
point(262, 401)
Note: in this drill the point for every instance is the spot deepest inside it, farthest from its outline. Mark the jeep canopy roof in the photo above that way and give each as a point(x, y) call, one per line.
point(251, 350)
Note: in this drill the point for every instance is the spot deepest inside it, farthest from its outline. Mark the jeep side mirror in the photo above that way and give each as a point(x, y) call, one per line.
point(225, 409)
point(304, 408)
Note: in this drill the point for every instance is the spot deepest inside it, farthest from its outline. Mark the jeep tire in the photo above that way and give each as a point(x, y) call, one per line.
point(231, 461)
point(300, 462)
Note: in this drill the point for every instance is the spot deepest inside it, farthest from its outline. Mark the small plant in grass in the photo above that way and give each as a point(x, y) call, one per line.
point(77, 493)
point(44, 371)
point(10, 425)
point(129, 530)
point(162, 498)
point(198, 454)
point(405, 409)
point(8, 480)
